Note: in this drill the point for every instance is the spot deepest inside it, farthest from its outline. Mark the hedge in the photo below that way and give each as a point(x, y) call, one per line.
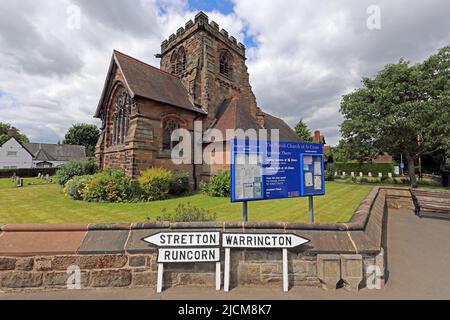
point(27, 172)
point(365, 168)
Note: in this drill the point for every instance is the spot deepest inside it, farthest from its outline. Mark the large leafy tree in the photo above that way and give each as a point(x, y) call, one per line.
point(303, 131)
point(403, 109)
point(4, 127)
point(85, 135)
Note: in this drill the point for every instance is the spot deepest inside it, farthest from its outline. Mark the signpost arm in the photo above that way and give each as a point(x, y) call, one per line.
point(245, 210)
point(285, 271)
point(226, 284)
point(160, 277)
point(311, 210)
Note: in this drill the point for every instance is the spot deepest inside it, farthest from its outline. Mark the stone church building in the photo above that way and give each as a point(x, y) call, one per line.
point(202, 77)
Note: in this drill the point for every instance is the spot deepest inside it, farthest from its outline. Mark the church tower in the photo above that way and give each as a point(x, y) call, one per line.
point(211, 65)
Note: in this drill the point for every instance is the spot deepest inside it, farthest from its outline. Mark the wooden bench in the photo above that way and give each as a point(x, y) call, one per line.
point(432, 203)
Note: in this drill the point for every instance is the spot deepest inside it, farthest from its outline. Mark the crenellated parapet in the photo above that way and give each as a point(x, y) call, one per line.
point(201, 22)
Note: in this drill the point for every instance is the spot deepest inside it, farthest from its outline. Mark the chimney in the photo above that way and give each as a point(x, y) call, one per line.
point(261, 119)
point(12, 132)
point(317, 137)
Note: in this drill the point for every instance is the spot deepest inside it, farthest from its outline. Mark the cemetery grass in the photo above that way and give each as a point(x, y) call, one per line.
point(46, 203)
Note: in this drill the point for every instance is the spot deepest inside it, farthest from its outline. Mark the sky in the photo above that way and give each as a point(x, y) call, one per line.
point(303, 55)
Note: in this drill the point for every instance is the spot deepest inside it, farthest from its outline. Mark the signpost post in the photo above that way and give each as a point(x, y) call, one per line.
point(260, 241)
point(186, 247)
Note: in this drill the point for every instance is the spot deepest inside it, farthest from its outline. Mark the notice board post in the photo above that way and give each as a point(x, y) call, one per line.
point(245, 211)
point(311, 210)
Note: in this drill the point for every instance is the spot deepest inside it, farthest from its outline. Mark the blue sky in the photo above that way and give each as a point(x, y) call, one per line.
point(223, 6)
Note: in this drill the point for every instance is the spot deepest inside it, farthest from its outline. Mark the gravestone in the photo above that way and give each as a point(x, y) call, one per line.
point(343, 174)
point(390, 175)
point(353, 174)
point(380, 175)
point(19, 182)
point(361, 174)
point(370, 174)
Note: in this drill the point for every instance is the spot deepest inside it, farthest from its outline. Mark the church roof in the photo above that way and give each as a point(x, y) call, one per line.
point(286, 132)
point(146, 81)
point(55, 152)
point(232, 114)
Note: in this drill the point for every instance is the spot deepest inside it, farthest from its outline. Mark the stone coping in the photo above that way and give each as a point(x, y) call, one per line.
point(363, 234)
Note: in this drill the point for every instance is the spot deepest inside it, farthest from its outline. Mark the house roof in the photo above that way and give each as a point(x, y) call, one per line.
point(146, 81)
point(55, 152)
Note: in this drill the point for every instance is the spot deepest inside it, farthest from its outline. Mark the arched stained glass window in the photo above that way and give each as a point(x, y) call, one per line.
point(121, 118)
point(169, 126)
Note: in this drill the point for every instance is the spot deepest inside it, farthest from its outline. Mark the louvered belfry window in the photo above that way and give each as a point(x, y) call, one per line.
point(178, 61)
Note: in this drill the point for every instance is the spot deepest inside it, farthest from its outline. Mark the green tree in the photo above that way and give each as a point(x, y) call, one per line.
point(85, 135)
point(4, 127)
point(303, 131)
point(403, 109)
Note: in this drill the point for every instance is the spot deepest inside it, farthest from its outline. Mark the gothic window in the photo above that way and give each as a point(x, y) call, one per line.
point(169, 126)
point(173, 62)
point(121, 118)
point(178, 61)
point(225, 64)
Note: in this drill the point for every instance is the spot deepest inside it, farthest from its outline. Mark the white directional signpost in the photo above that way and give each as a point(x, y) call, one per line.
point(186, 247)
point(260, 241)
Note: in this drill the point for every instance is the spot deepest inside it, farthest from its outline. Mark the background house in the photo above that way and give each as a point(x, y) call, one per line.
point(16, 155)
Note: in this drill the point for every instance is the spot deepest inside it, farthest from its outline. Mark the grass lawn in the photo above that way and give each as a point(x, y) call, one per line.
point(48, 204)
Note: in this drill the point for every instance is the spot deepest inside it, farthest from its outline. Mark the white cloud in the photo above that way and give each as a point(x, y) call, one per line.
point(308, 54)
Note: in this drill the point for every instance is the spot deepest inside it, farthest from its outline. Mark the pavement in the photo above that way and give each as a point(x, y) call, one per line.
point(418, 261)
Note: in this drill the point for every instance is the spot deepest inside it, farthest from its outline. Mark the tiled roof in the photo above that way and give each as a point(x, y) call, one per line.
point(56, 152)
point(232, 114)
point(146, 81)
point(286, 132)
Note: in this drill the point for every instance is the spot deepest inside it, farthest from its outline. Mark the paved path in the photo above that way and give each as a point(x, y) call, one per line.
point(418, 263)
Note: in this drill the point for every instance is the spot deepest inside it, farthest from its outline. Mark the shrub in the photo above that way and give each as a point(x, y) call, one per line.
point(155, 183)
point(75, 186)
point(75, 168)
point(219, 186)
point(187, 213)
point(179, 184)
point(135, 191)
point(107, 186)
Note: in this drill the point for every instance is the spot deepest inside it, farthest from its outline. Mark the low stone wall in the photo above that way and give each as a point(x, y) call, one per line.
point(114, 255)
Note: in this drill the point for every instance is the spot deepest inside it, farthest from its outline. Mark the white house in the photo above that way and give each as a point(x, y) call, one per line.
point(16, 155)
point(13, 155)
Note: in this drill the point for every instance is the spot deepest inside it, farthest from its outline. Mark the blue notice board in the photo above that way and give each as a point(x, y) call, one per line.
point(276, 170)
